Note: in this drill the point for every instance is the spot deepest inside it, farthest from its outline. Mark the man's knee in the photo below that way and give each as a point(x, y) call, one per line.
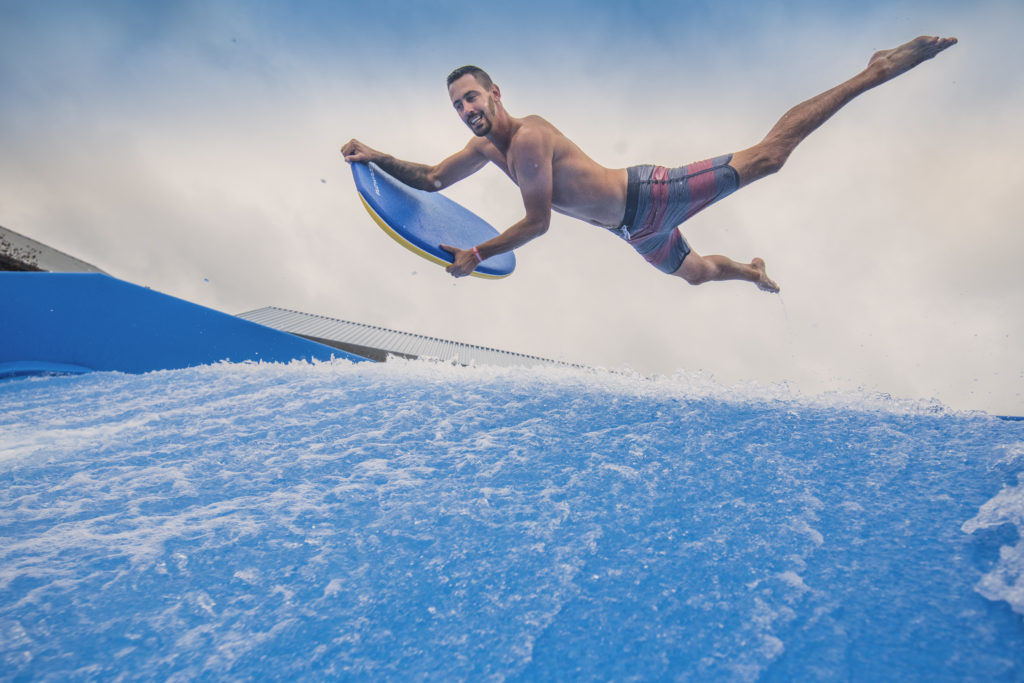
point(770, 159)
point(695, 269)
point(696, 279)
point(759, 161)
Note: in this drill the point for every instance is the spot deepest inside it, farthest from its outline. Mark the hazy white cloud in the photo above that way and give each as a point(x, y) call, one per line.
point(206, 166)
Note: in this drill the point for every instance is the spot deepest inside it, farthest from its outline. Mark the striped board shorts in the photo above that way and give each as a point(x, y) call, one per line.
point(658, 199)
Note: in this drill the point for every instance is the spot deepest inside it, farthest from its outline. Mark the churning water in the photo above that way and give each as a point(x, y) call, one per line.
point(411, 520)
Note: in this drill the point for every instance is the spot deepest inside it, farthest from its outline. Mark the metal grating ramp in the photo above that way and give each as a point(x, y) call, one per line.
point(378, 343)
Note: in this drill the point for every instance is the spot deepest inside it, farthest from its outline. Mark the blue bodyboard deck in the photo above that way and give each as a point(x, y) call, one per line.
point(422, 221)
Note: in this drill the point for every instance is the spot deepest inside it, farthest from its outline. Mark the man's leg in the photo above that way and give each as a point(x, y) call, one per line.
point(770, 154)
point(697, 270)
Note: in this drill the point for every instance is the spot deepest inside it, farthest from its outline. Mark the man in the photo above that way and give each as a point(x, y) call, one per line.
point(644, 204)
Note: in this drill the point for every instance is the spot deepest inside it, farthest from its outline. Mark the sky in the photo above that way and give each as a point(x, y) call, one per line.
point(192, 147)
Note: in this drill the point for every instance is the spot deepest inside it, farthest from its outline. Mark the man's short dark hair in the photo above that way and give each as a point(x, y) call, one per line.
point(476, 72)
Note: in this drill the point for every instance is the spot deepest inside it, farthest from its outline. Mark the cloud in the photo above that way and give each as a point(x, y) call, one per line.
point(193, 148)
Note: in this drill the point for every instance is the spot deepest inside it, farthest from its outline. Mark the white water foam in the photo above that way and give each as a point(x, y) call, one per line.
point(1006, 580)
point(420, 520)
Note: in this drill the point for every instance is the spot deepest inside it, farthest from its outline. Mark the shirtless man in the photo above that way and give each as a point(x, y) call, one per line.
point(643, 204)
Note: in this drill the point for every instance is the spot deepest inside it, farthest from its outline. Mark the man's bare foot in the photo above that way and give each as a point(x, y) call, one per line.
point(891, 63)
point(764, 283)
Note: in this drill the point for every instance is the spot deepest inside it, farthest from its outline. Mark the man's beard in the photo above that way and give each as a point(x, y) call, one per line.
point(486, 120)
point(482, 131)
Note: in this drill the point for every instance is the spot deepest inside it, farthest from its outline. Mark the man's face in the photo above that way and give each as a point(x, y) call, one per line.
point(474, 104)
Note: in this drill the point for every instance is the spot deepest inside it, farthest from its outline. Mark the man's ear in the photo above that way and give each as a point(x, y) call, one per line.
point(496, 92)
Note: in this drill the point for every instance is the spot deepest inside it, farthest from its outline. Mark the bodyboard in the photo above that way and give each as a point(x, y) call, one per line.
point(421, 221)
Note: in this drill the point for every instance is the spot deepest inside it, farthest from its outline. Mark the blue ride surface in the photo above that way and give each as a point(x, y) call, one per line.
point(423, 221)
point(81, 322)
point(413, 521)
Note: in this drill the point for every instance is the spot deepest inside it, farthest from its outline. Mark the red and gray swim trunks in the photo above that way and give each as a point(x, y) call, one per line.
point(658, 199)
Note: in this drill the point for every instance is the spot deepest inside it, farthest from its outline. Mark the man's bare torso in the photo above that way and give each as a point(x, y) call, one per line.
point(581, 188)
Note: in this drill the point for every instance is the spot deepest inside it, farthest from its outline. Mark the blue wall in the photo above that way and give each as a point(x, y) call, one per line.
point(77, 322)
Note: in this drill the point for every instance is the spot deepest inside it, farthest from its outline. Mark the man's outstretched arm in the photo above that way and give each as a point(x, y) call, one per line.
point(460, 165)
